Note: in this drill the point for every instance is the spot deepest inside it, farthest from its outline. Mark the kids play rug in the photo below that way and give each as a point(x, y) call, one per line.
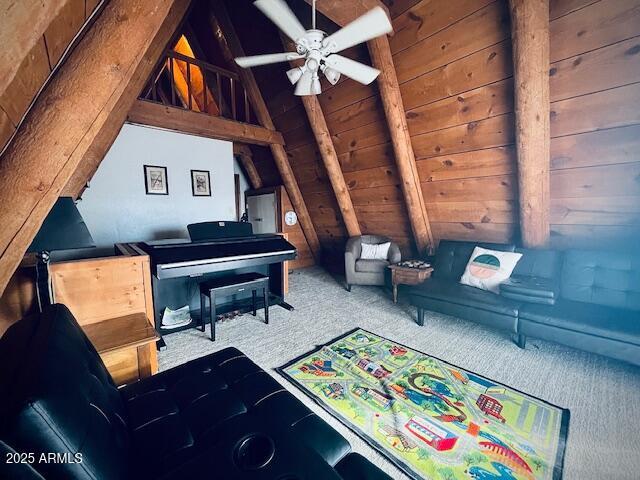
point(432, 419)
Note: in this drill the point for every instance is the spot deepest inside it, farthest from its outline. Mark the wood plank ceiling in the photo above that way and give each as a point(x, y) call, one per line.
point(454, 64)
point(454, 67)
point(28, 62)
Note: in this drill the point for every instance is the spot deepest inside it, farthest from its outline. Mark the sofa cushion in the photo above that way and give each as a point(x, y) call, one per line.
point(538, 263)
point(529, 287)
point(186, 422)
point(293, 456)
point(61, 398)
point(604, 278)
point(455, 293)
point(452, 257)
point(176, 414)
point(371, 266)
point(599, 320)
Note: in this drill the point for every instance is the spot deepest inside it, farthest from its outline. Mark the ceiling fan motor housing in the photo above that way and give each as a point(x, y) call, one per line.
point(312, 40)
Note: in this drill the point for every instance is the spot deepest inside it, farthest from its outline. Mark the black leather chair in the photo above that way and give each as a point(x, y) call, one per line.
point(217, 417)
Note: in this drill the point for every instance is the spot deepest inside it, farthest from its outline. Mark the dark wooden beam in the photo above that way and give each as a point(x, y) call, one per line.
point(201, 124)
point(328, 154)
point(381, 58)
point(530, 37)
point(225, 34)
point(245, 156)
point(66, 119)
point(22, 24)
point(340, 14)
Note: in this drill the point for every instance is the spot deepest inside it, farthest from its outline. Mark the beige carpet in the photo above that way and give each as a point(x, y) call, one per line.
point(603, 395)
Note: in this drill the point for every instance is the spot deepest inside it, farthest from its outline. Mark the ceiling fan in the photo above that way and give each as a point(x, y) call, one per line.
point(320, 50)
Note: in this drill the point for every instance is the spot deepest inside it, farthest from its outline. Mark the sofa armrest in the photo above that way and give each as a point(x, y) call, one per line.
point(349, 267)
point(394, 255)
point(352, 253)
point(354, 246)
point(530, 289)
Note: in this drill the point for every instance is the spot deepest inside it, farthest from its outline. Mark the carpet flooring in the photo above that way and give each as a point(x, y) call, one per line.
point(603, 395)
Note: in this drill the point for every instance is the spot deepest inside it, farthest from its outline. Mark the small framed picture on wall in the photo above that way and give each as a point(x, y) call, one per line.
point(200, 183)
point(155, 180)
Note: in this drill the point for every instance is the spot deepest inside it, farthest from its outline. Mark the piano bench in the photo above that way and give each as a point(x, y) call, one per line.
point(232, 285)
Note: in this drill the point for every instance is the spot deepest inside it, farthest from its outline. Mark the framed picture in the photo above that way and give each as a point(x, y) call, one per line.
point(200, 183)
point(155, 180)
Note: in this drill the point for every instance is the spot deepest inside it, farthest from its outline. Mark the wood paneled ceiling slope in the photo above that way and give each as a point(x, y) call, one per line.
point(34, 35)
point(492, 120)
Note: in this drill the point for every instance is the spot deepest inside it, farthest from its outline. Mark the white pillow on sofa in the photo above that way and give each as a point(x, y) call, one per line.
point(378, 251)
point(487, 269)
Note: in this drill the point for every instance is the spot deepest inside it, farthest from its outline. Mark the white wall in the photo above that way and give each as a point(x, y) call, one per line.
point(116, 208)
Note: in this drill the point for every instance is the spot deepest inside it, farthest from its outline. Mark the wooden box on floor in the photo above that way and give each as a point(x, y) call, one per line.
point(111, 299)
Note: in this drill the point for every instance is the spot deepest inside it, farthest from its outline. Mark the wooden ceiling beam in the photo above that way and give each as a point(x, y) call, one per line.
point(341, 14)
point(225, 34)
point(329, 156)
point(111, 128)
point(178, 119)
point(530, 37)
point(67, 118)
point(22, 25)
point(393, 105)
point(331, 164)
point(245, 156)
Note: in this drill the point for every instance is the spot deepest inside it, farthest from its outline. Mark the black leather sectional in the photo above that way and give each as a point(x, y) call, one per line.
point(218, 417)
point(585, 299)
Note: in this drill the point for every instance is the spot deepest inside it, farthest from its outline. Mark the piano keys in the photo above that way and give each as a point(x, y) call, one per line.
point(170, 259)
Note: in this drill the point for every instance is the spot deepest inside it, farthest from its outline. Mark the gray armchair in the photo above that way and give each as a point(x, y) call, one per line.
point(367, 272)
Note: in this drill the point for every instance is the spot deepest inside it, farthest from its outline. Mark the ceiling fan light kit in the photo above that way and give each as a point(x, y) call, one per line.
point(319, 50)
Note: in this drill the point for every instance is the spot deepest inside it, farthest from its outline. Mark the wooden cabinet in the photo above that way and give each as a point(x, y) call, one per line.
point(111, 300)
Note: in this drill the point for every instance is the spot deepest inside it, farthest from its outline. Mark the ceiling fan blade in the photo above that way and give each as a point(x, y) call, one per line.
point(370, 25)
point(254, 61)
point(303, 87)
point(358, 71)
point(279, 13)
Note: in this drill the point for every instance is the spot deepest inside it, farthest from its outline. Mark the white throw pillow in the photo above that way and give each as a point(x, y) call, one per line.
point(375, 252)
point(487, 269)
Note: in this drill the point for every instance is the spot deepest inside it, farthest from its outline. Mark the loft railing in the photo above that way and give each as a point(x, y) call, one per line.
point(192, 84)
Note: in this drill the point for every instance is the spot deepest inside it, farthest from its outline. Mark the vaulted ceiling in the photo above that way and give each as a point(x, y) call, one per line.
point(453, 62)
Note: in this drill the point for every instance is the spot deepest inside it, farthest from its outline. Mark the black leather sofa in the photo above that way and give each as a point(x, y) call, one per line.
point(218, 417)
point(443, 292)
point(585, 299)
